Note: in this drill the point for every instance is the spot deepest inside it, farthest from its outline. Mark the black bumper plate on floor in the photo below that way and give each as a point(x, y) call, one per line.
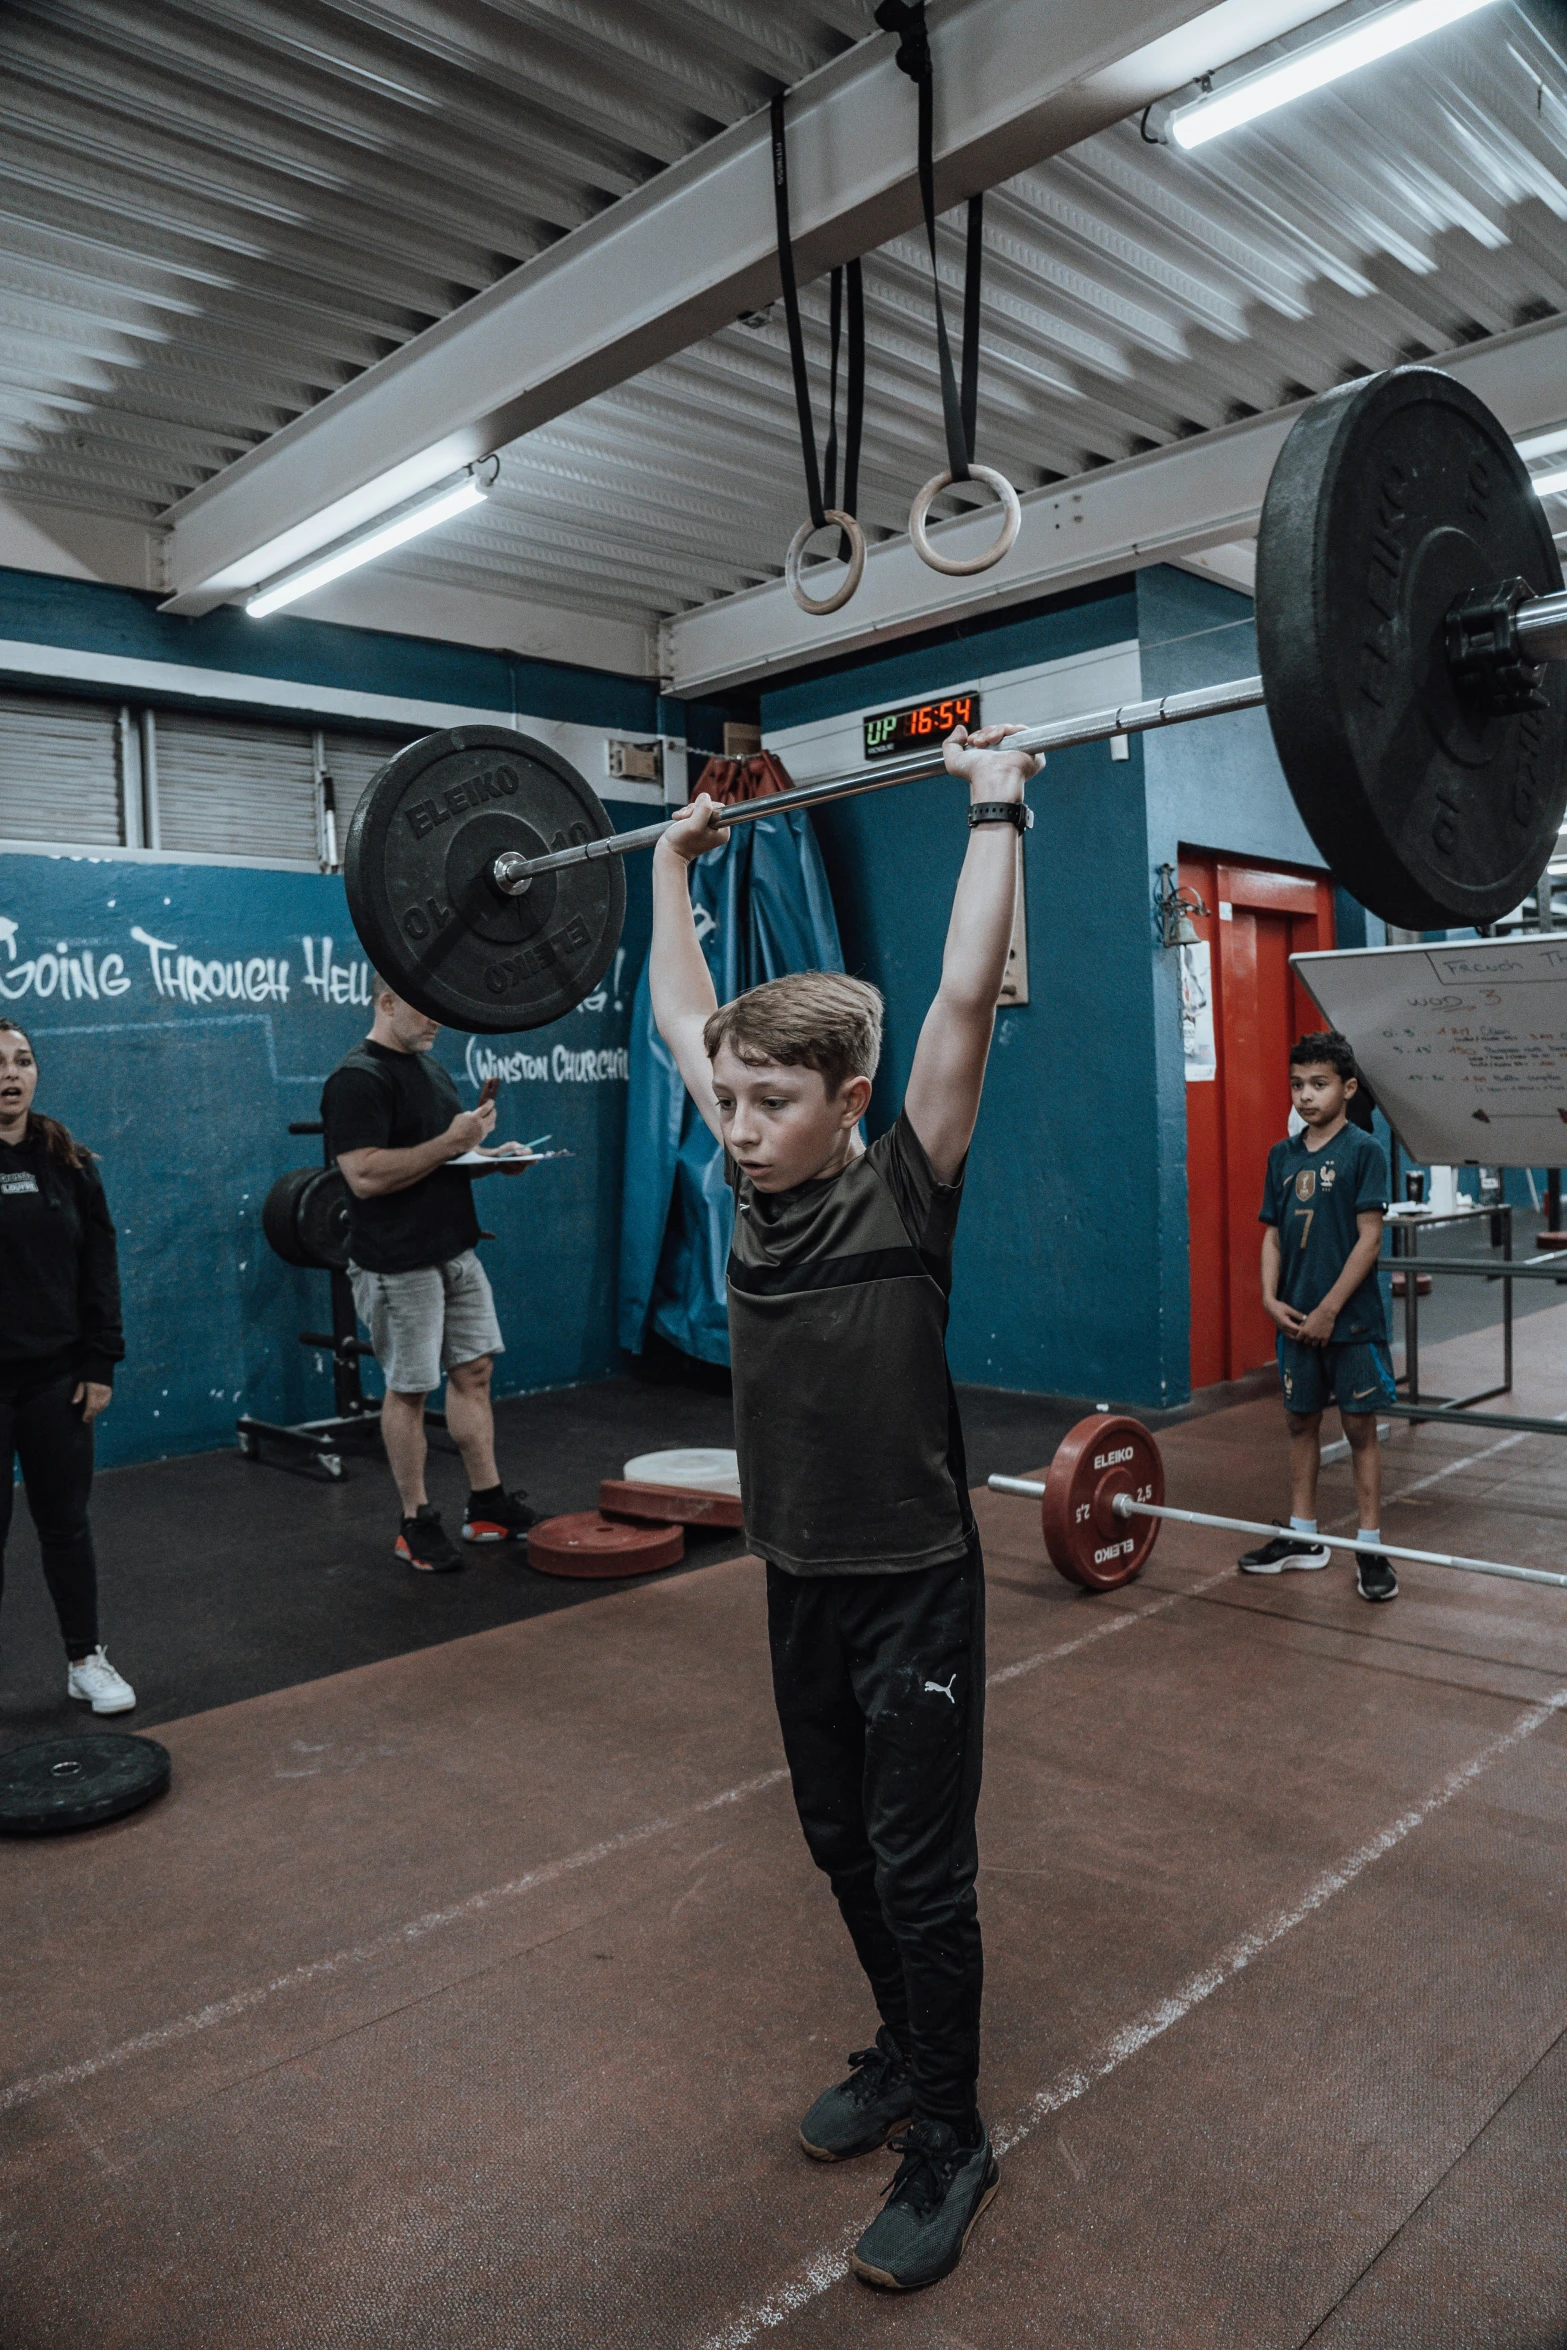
point(78, 1782)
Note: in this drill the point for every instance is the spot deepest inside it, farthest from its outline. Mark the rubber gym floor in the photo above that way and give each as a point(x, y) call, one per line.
point(467, 1987)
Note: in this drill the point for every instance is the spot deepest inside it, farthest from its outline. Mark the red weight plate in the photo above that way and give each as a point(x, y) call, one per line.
point(1102, 1456)
point(686, 1505)
point(588, 1543)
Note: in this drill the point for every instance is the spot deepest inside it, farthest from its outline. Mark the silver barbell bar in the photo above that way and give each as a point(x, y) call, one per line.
point(513, 872)
point(1540, 625)
point(1125, 1506)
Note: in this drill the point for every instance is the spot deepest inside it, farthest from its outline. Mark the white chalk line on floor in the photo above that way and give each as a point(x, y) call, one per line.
point(1121, 1620)
point(830, 2266)
point(318, 1970)
point(238, 2003)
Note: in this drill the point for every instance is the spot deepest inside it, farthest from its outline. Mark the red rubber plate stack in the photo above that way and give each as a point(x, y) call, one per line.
point(687, 1505)
point(1102, 1456)
point(588, 1543)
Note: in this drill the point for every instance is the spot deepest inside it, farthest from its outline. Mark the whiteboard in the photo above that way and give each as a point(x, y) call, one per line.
point(1465, 1046)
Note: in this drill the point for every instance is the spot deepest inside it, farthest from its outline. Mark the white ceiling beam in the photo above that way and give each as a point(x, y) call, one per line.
point(1016, 81)
point(1168, 506)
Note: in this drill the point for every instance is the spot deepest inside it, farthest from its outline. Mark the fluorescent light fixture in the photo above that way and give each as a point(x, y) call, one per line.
point(1550, 485)
point(1374, 36)
point(396, 533)
point(1543, 444)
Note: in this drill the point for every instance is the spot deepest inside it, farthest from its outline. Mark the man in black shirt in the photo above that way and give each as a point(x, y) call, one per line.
point(395, 1126)
point(855, 1490)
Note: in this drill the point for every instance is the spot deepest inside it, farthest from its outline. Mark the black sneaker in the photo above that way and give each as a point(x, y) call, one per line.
point(1374, 1576)
point(1286, 1550)
point(497, 1517)
point(939, 2192)
point(423, 1543)
point(863, 2111)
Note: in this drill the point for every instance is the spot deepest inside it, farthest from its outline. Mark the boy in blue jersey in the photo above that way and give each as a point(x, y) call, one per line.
point(1322, 1210)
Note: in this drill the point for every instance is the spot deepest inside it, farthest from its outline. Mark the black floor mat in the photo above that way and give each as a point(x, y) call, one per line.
point(221, 1578)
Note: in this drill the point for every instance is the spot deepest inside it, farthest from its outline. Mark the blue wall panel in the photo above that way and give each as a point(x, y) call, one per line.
point(1055, 1284)
point(36, 608)
point(1058, 1278)
point(182, 1064)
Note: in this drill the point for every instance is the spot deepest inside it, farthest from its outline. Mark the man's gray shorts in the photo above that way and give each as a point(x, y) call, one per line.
point(422, 1323)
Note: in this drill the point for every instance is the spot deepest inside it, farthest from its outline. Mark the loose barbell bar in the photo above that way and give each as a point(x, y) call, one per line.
point(1412, 643)
point(1107, 1475)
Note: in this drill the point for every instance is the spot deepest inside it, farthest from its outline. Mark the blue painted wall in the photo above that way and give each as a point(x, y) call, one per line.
point(183, 1070)
point(1072, 1273)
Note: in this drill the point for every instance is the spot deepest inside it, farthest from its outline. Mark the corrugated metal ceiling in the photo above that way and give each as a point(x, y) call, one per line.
point(212, 215)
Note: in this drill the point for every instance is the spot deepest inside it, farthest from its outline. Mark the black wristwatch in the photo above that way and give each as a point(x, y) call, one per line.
point(1016, 812)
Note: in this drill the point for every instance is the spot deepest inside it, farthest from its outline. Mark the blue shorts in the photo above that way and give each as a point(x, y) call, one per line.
point(1357, 1376)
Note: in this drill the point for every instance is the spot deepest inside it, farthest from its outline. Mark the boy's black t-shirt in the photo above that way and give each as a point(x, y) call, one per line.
point(851, 1458)
point(1314, 1198)
point(59, 1270)
point(377, 1099)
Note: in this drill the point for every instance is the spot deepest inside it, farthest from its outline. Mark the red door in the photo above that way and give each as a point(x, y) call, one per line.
point(1258, 917)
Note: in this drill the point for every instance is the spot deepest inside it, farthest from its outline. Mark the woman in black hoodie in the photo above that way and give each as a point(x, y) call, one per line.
point(60, 1339)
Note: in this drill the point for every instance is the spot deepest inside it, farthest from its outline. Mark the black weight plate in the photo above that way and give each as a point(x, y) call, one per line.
point(78, 1782)
point(321, 1218)
point(417, 865)
point(280, 1215)
point(1390, 499)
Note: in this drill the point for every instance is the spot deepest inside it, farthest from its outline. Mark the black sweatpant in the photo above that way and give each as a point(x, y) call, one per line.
point(41, 1427)
point(880, 1682)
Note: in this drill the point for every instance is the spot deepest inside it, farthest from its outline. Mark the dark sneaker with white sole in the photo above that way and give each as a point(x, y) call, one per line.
point(1374, 1576)
point(424, 1543)
point(497, 1516)
point(1284, 1552)
point(861, 2113)
point(938, 2193)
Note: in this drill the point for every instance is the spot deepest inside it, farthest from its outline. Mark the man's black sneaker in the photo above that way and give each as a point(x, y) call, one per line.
point(423, 1543)
point(863, 2111)
point(497, 1517)
point(1374, 1576)
point(938, 2193)
point(1285, 1551)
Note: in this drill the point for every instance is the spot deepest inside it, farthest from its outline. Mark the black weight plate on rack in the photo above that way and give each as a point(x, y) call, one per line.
point(321, 1218)
point(66, 1783)
point(1390, 499)
point(417, 865)
point(280, 1215)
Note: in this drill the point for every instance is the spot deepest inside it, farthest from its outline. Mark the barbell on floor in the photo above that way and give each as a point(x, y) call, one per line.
point(1412, 637)
point(1102, 1503)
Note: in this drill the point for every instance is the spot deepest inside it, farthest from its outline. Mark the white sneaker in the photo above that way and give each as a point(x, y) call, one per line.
point(95, 1681)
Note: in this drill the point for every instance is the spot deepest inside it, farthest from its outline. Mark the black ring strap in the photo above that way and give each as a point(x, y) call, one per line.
point(960, 409)
point(854, 420)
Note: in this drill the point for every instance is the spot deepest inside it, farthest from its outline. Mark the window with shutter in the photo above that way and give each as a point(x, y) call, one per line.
point(60, 771)
point(353, 761)
point(229, 788)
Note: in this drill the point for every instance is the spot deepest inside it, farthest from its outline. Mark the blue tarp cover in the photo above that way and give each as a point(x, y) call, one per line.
point(762, 908)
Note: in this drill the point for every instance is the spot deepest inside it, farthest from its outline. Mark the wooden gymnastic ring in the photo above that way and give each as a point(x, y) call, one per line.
point(856, 572)
point(955, 567)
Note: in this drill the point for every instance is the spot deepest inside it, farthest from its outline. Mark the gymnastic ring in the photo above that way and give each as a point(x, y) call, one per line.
point(951, 564)
point(797, 547)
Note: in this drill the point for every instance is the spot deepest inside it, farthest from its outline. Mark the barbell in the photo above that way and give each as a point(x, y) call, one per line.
point(1102, 1504)
point(1412, 635)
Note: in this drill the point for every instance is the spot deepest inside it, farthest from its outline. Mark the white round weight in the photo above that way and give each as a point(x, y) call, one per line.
point(852, 578)
point(956, 568)
point(706, 1467)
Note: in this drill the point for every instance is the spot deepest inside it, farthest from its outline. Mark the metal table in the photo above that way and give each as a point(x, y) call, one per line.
point(1404, 1225)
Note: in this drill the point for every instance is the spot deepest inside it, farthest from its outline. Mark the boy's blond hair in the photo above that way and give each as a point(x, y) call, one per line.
point(808, 1020)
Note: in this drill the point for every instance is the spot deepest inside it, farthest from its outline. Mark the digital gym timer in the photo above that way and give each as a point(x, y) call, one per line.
point(918, 724)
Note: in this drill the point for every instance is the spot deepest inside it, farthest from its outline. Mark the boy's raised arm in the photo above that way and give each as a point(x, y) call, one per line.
point(942, 1101)
point(678, 976)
